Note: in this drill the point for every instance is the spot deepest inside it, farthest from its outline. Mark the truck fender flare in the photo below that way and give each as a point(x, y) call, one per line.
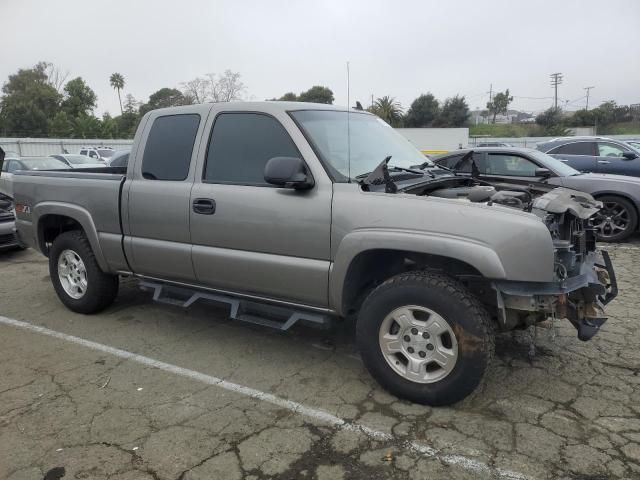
point(476, 254)
point(77, 213)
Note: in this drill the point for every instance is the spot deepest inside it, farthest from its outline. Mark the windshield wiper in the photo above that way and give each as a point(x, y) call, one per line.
point(380, 175)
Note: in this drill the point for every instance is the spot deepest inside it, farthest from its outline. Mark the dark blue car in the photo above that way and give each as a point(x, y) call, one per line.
point(595, 154)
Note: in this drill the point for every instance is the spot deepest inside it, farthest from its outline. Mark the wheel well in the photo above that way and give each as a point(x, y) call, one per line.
point(50, 226)
point(369, 269)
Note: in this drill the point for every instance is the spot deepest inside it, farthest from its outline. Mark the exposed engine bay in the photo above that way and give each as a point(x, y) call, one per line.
point(583, 281)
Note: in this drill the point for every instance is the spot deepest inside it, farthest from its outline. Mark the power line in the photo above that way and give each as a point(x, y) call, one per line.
point(556, 79)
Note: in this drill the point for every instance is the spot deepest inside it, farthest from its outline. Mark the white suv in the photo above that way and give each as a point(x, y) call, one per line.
point(99, 153)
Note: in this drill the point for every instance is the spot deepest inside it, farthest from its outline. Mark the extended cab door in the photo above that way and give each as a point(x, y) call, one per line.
point(156, 198)
point(614, 158)
point(581, 155)
point(251, 237)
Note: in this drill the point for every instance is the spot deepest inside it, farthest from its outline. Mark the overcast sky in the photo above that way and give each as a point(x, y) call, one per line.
point(397, 48)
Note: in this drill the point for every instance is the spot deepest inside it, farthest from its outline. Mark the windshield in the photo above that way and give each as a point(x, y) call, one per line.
point(106, 153)
point(560, 168)
point(80, 160)
point(371, 141)
point(43, 164)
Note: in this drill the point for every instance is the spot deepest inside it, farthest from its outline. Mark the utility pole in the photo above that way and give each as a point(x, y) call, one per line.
point(587, 89)
point(490, 92)
point(556, 79)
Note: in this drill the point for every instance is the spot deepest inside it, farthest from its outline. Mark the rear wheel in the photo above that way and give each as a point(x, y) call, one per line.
point(425, 338)
point(616, 221)
point(76, 276)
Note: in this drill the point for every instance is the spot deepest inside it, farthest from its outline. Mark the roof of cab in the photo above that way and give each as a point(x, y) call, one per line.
point(266, 107)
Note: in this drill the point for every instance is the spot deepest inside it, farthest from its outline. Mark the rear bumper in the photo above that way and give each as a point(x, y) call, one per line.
point(581, 298)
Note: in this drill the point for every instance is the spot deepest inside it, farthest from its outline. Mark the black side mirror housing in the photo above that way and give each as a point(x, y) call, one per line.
point(543, 172)
point(629, 155)
point(288, 172)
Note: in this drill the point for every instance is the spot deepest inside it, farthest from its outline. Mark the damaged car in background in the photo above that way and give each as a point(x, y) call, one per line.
point(293, 212)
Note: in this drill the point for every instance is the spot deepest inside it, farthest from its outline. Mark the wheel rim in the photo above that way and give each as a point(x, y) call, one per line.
point(418, 344)
point(72, 274)
point(612, 219)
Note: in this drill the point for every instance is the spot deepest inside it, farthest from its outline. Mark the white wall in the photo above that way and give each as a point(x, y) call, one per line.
point(436, 140)
point(33, 147)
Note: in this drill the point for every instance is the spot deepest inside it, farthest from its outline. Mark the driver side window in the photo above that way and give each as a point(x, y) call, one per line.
point(510, 165)
point(609, 150)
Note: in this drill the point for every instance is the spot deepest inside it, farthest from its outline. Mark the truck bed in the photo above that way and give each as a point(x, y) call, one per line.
point(93, 193)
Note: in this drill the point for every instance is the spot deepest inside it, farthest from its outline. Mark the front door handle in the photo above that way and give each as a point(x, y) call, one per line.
point(204, 206)
point(604, 161)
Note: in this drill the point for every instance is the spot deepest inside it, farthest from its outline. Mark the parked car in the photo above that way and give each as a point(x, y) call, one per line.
point(633, 144)
point(11, 165)
point(102, 154)
point(8, 237)
point(77, 161)
point(120, 158)
point(595, 154)
point(258, 205)
point(619, 194)
point(494, 144)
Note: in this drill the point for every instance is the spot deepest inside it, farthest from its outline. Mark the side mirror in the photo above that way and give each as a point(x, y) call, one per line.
point(629, 155)
point(543, 172)
point(288, 172)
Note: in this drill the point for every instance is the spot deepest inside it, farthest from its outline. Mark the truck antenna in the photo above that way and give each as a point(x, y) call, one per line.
point(348, 124)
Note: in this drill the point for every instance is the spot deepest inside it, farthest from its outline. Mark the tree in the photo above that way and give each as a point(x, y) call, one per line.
point(128, 122)
point(28, 102)
point(79, 98)
point(499, 104)
point(55, 77)
point(388, 110)
point(165, 97)
point(423, 111)
point(552, 122)
point(61, 126)
point(227, 87)
point(215, 88)
point(109, 127)
point(582, 118)
point(317, 94)
point(454, 113)
point(86, 126)
point(288, 97)
point(196, 89)
point(358, 106)
point(116, 81)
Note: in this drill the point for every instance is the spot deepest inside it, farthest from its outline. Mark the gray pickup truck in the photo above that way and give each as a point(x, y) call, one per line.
point(295, 211)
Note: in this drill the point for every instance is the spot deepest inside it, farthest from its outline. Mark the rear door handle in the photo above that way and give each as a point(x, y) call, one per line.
point(204, 206)
point(604, 161)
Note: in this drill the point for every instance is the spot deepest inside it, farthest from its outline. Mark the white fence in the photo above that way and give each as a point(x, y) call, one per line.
point(31, 147)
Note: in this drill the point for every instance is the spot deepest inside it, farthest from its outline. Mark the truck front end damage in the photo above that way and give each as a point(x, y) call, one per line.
point(583, 278)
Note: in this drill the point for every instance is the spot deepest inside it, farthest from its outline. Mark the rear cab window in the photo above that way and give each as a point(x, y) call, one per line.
point(168, 149)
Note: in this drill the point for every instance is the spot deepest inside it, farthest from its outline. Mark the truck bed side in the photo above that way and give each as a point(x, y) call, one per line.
point(55, 200)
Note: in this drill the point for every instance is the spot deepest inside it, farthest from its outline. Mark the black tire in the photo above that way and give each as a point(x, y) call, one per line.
point(614, 204)
point(102, 288)
point(466, 317)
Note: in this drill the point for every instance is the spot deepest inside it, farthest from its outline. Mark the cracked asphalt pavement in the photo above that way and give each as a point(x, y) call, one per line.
point(570, 412)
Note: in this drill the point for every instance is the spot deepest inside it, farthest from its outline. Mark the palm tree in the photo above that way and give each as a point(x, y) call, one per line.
point(117, 81)
point(388, 110)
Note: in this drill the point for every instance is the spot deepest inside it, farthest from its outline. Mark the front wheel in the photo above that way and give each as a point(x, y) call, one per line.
point(76, 276)
point(616, 221)
point(425, 338)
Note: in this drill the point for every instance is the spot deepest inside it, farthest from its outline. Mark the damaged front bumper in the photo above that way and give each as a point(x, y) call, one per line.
point(580, 299)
